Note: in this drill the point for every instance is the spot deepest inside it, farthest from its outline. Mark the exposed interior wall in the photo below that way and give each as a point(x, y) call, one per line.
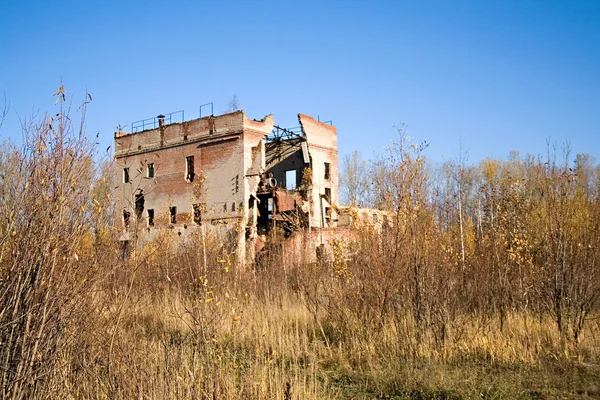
point(254, 165)
point(321, 140)
point(293, 161)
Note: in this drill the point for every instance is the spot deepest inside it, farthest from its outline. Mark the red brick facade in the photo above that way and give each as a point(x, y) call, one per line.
point(209, 171)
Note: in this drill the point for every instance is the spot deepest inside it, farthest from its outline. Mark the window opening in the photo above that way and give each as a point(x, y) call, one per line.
point(328, 195)
point(320, 250)
point(290, 179)
point(150, 171)
point(126, 215)
point(197, 214)
point(150, 217)
point(327, 170)
point(189, 168)
point(270, 208)
point(125, 250)
point(125, 175)
point(139, 204)
point(173, 214)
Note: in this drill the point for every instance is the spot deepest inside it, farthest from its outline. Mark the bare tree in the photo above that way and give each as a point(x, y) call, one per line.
point(354, 180)
point(234, 104)
point(45, 241)
point(4, 112)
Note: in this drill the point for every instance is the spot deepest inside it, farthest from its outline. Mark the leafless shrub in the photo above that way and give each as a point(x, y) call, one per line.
point(48, 249)
point(493, 264)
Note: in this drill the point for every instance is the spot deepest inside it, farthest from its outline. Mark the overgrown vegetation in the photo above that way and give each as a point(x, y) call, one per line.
point(483, 283)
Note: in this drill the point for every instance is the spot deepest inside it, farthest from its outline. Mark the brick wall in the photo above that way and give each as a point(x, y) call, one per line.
point(322, 146)
point(226, 150)
point(228, 153)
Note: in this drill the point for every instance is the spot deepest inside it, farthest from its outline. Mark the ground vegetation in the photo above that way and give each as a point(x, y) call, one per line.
point(482, 283)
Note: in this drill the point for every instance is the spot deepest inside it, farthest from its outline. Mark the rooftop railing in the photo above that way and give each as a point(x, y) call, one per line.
point(153, 123)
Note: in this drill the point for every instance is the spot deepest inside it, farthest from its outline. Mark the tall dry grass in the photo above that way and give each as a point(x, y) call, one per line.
point(498, 302)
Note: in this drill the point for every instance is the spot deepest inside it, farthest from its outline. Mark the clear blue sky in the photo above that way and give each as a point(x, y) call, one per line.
point(501, 76)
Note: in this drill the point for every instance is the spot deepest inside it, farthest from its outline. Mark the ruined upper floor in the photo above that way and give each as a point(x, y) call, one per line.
point(165, 135)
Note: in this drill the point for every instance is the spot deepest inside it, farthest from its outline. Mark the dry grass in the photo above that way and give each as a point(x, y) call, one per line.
point(434, 307)
point(178, 345)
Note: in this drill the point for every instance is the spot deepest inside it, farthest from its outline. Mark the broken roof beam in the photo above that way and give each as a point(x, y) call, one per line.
point(279, 134)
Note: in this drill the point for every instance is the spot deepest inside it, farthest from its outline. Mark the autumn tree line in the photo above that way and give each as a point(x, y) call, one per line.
point(495, 262)
point(520, 235)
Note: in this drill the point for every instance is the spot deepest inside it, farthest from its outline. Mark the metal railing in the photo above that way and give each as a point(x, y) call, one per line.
point(152, 123)
point(206, 106)
point(330, 122)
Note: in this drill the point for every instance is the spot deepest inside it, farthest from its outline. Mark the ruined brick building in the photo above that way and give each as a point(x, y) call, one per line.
point(249, 179)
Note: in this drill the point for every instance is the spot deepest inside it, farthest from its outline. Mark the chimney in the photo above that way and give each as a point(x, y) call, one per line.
point(161, 127)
